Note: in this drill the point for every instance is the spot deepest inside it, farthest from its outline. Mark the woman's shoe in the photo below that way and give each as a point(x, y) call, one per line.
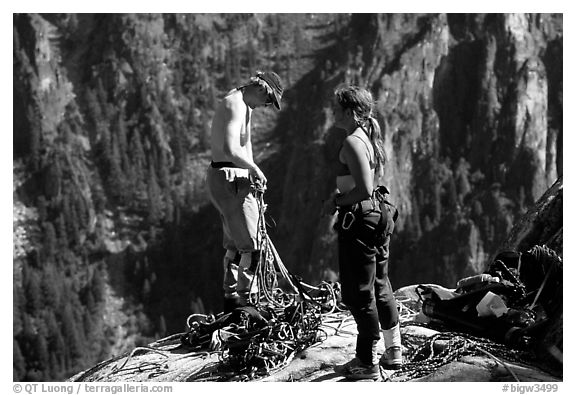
point(356, 370)
point(341, 369)
point(392, 358)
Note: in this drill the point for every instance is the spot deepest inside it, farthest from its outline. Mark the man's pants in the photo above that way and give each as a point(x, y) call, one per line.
point(230, 193)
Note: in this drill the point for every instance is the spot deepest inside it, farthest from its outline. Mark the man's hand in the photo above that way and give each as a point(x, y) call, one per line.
point(257, 173)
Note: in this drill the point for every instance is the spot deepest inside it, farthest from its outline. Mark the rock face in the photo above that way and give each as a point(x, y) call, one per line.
point(542, 224)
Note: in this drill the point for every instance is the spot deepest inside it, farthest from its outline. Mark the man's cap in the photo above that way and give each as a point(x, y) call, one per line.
point(273, 81)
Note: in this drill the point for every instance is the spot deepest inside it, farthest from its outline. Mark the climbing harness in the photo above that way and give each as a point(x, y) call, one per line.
point(371, 220)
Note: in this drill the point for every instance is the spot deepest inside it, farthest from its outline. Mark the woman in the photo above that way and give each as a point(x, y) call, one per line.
point(364, 226)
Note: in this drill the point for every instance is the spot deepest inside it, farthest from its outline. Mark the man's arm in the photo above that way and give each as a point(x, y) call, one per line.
point(249, 146)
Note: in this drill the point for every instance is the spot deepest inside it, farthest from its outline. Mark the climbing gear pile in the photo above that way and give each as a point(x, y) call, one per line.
point(260, 339)
point(504, 304)
point(519, 281)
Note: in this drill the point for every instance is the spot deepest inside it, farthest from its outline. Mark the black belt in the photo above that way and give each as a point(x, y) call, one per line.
point(219, 165)
point(363, 206)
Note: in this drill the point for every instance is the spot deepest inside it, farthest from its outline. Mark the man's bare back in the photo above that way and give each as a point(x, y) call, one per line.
point(231, 129)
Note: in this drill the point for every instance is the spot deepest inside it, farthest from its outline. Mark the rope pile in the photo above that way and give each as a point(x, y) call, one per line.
point(259, 352)
point(258, 340)
point(445, 347)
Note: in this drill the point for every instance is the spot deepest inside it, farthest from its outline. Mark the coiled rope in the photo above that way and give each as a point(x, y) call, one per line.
point(429, 356)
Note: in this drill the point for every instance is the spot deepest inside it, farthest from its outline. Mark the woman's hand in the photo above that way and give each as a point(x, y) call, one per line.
point(329, 205)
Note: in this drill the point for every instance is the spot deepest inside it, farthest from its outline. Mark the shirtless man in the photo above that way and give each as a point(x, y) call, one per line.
point(230, 177)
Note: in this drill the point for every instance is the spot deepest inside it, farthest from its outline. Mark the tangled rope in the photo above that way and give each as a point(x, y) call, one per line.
point(267, 350)
point(256, 340)
point(445, 347)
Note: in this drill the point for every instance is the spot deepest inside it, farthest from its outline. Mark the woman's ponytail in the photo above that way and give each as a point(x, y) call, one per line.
point(377, 142)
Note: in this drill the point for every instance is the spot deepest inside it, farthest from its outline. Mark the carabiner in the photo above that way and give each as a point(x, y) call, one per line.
point(349, 215)
point(283, 334)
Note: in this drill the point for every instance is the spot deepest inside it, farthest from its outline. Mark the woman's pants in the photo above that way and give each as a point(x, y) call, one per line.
point(366, 289)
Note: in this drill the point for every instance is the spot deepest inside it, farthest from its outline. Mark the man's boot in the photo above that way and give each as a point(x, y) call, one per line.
point(392, 357)
point(231, 303)
point(231, 299)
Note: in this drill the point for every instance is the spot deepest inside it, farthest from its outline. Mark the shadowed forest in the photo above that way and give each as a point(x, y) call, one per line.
point(115, 241)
